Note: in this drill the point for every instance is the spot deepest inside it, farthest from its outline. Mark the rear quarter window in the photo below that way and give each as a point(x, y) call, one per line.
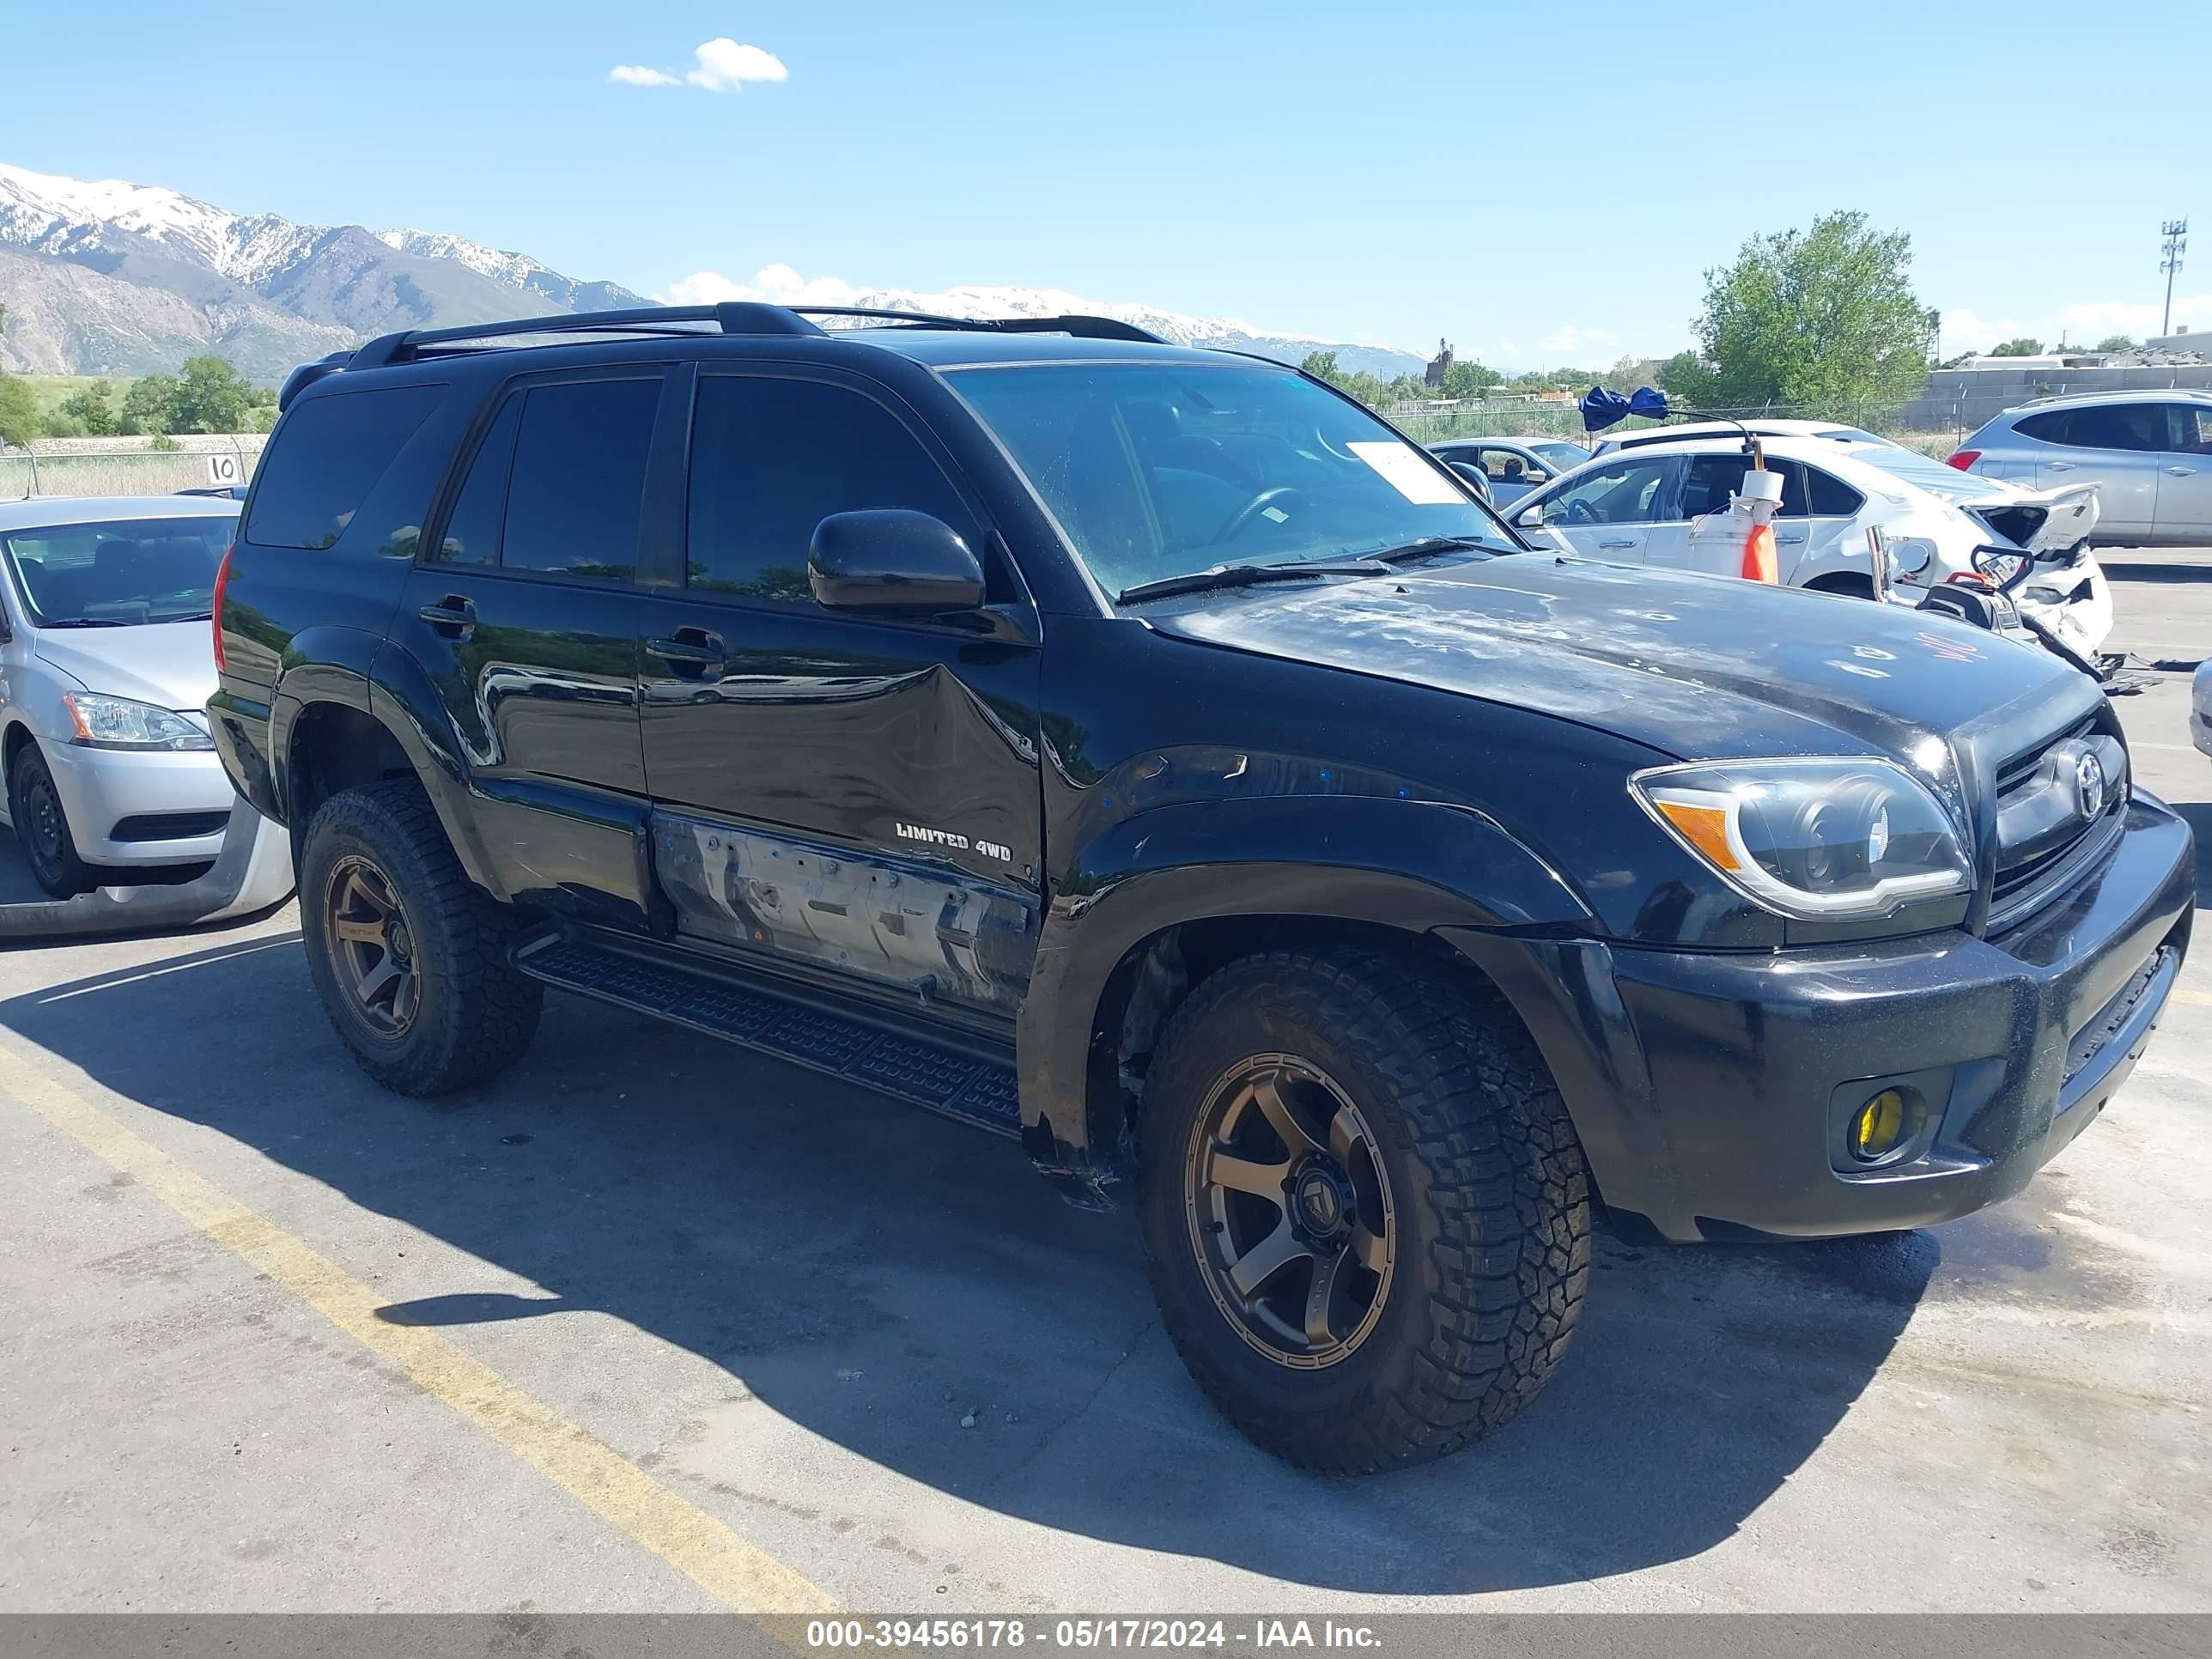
point(326, 456)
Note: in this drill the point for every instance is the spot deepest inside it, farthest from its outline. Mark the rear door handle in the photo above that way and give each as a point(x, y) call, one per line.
point(691, 651)
point(1789, 535)
point(454, 617)
point(2183, 472)
point(1622, 543)
point(2060, 467)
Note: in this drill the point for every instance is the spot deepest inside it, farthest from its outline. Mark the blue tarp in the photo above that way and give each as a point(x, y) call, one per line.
point(1603, 409)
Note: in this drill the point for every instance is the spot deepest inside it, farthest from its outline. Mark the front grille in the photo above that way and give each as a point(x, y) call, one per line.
point(2034, 868)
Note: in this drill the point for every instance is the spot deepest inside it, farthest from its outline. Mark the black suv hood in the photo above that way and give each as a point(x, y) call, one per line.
point(1694, 666)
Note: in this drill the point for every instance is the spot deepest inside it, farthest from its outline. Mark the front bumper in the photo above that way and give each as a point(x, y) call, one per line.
point(137, 807)
point(1710, 1089)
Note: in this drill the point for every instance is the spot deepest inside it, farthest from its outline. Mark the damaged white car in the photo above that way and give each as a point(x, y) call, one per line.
point(1637, 505)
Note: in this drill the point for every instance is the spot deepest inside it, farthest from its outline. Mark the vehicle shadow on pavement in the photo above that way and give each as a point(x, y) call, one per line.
point(877, 1275)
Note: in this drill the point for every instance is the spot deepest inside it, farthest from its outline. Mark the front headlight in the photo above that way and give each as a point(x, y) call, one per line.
point(1818, 839)
point(117, 723)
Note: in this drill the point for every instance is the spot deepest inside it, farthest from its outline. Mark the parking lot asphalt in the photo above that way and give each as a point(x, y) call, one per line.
point(652, 1324)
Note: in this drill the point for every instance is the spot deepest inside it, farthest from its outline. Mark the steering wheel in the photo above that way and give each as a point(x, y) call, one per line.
point(1580, 511)
point(1241, 520)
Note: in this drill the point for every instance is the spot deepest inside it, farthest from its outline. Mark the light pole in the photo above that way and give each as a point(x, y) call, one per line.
point(2175, 231)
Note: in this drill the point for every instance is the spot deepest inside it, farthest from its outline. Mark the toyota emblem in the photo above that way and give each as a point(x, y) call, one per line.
point(2089, 783)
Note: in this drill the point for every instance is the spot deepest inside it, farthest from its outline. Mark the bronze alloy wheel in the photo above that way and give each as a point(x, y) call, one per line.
point(1290, 1211)
point(372, 947)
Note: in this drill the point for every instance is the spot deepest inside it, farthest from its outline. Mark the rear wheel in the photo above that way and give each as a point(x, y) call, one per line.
point(1365, 1211)
point(409, 957)
point(34, 806)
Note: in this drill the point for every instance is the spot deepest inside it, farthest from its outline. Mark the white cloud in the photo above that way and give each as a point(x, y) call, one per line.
point(1574, 340)
point(777, 285)
point(2093, 321)
point(724, 65)
point(717, 65)
point(1969, 330)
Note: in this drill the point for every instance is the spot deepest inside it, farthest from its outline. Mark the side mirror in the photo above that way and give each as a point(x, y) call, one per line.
point(1534, 476)
point(1474, 475)
point(1530, 518)
point(891, 562)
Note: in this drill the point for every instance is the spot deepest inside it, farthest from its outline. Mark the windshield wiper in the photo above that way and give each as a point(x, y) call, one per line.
point(87, 622)
point(1428, 544)
point(1248, 575)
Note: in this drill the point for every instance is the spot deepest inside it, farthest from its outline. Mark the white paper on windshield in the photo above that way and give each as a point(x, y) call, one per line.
point(1405, 472)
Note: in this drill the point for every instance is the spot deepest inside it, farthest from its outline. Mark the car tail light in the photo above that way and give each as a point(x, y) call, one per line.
point(221, 582)
point(1964, 459)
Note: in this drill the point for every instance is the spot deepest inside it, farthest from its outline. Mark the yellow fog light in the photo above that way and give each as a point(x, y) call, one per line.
point(1882, 1125)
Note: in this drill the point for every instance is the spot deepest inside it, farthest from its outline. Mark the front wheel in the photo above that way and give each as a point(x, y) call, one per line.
point(42, 828)
point(409, 957)
point(1365, 1211)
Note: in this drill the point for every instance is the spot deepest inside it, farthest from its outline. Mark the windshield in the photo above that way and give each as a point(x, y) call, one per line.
point(1156, 469)
point(1562, 455)
point(118, 574)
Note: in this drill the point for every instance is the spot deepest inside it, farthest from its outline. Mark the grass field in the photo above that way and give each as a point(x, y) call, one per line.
point(52, 389)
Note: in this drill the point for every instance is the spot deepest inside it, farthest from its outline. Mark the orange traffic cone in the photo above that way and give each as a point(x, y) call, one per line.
point(1758, 563)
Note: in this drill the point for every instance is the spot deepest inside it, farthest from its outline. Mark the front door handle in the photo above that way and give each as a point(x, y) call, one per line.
point(2060, 467)
point(454, 616)
point(1789, 535)
point(1616, 544)
point(691, 651)
point(2183, 472)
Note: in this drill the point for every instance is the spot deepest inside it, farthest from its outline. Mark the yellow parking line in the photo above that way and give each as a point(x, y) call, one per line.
point(2195, 999)
point(740, 1575)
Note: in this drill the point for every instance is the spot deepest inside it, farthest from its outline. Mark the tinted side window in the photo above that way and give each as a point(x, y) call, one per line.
point(327, 455)
point(2115, 426)
point(1625, 492)
point(1713, 480)
point(577, 484)
point(771, 458)
point(472, 530)
point(2192, 428)
point(2049, 428)
point(1831, 497)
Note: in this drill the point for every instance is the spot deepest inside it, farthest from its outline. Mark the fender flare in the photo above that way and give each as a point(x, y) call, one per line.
point(1414, 866)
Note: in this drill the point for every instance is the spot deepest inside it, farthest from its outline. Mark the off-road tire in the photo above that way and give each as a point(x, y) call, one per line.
point(474, 1013)
point(1490, 1207)
point(57, 870)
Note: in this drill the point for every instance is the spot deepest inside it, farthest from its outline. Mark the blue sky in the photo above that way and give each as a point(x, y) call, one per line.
point(1540, 184)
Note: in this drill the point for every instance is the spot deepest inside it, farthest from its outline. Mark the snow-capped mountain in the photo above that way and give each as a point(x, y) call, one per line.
point(782, 285)
point(109, 278)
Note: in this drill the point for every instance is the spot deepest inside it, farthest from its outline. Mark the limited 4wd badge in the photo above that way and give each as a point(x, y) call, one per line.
point(958, 843)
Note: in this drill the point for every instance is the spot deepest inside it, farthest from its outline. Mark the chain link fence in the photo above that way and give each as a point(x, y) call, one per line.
point(128, 466)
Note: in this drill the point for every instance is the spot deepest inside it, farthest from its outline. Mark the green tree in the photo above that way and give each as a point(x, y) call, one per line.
point(1322, 365)
point(210, 397)
point(2115, 342)
point(1469, 378)
point(1687, 378)
point(1825, 316)
point(148, 405)
point(90, 410)
point(2022, 347)
point(19, 410)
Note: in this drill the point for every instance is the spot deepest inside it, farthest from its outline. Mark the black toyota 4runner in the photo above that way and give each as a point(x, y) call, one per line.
point(1149, 755)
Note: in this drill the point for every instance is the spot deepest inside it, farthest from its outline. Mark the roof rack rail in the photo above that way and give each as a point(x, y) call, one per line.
point(731, 316)
point(1082, 327)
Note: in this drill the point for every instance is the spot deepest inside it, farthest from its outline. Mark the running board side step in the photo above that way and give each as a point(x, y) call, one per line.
point(975, 1088)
